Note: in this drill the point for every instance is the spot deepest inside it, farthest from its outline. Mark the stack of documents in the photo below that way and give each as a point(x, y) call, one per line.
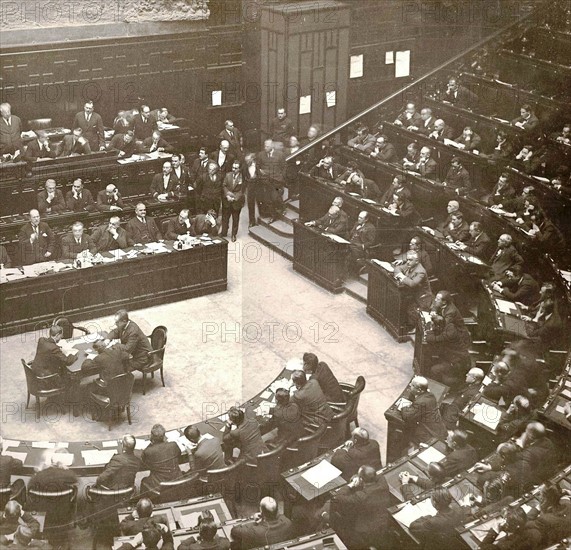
point(412, 512)
point(385, 265)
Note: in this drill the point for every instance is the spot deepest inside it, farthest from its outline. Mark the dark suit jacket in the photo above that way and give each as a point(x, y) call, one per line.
point(503, 259)
point(118, 143)
point(272, 167)
point(425, 127)
point(445, 133)
point(175, 228)
point(33, 253)
point(530, 124)
point(158, 187)
point(183, 177)
point(143, 130)
point(458, 460)
point(423, 419)
point(417, 280)
point(458, 179)
point(92, 130)
point(526, 290)
point(120, 472)
point(313, 404)
point(143, 233)
point(414, 120)
point(148, 142)
point(438, 532)
point(426, 169)
point(104, 240)
point(103, 203)
point(57, 205)
point(287, 420)
point(229, 188)
point(247, 438)
point(135, 341)
point(84, 203)
point(218, 543)
point(207, 456)
point(167, 544)
point(328, 383)
point(227, 165)
point(386, 154)
point(463, 97)
point(369, 190)
point(208, 189)
point(349, 461)
point(363, 236)
point(234, 140)
point(534, 464)
point(360, 515)
point(33, 152)
point(162, 461)
point(332, 174)
point(469, 144)
point(259, 535)
point(67, 147)
point(452, 336)
point(8, 467)
point(70, 249)
point(52, 479)
point(460, 233)
point(49, 358)
point(198, 170)
point(10, 136)
point(337, 225)
point(200, 226)
point(109, 363)
point(479, 246)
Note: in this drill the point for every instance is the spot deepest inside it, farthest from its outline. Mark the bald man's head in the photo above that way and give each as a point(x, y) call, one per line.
point(269, 508)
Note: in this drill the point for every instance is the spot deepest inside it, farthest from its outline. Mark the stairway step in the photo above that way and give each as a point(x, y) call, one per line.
point(280, 244)
point(280, 227)
point(290, 215)
point(294, 205)
point(357, 289)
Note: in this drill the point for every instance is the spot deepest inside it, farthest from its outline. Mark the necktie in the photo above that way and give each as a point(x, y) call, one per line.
point(87, 117)
point(142, 220)
point(8, 122)
point(78, 241)
point(109, 200)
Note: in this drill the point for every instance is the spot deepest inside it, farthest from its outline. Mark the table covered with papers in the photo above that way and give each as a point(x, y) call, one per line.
point(141, 276)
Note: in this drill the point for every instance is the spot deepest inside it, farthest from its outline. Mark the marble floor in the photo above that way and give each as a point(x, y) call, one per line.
point(223, 348)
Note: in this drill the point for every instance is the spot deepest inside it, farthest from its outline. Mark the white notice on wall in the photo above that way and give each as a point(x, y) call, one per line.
point(216, 98)
point(389, 58)
point(356, 66)
point(331, 98)
point(305, 104)
point(402, 64)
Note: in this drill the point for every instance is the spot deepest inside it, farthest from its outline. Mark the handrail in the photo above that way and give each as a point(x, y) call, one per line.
point(400, 91)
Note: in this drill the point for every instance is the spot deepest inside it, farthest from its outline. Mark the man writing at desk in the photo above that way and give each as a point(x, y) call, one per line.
point(49, 358)
point(332, 222)
point(133, 338)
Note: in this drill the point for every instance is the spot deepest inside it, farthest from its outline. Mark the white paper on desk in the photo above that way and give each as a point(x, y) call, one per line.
point(10, 443)
point(18, 456)
point(117, 253)
point(560, 409)
point(10, 271)
point(156, 246)
point(141, 444)
point(112, 443)
point(487, 380)
point(412, 512)
point(353, 194)
point(321, 474)
point(266, 394)
point(482, 530)
point(426, 316)
point(62, 445)
point(391, 212)
point(335, 238)
point(95, 457)
point(506, 306)
point(284, 383)
point(91, 355)
point(473, 259)
point(501, 119)
point(428, 229)
point(385, 265)
point(431, 455)
point(487, 415)
point(263, 409)
point(539, 178)
point(190, 519)
point(497, 210)
point(452, 143)
point(65, 458)
point(43, 445)
point(173, 435)
point(368, 201)
point(564, 393)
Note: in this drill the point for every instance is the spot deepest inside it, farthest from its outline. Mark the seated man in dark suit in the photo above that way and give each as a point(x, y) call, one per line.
point(181, 225)
point(320, 371)
point(458, 177)
point(207, 537)
point(123, 144)
point(121, 470)
point(206, 224)
point(516, 533)
point(79, 199)
point(412, 485)
point(326, 169)
point(419, 411)
point(409, 117)
point(363, 141)
point(49, 358)
point(111, 236)
point(459, 95)
point(36, 240)
point(286, 416)
point(10, 466)
point(332, 222)
point(14, 517)
point(245, 436)
point(546, 327)
point(161, 457)
point(110, 361)
point(417, 246)
point(133, 338)
point(358, 511)
point(527, 120)
point(468, 140)
point(457, 230)
point(205, 451)
point(451, 409)
point(157, 143)
point(51, 201)
point(109, 199)
point(39, 148)
point(268, 528)
point(383, 150)
point(358, 451)
point(505, 257)
point(462, 454)
point(518, 286)
point(142, 229)
point(153, 536)
point(439, 531)
point(441, 131)
point(426, 166)
point(134, 523)
point(367, 188)
point(478, 244)
point(76, 242)
point(311, 400)
point(166, 185)
point(74, 144)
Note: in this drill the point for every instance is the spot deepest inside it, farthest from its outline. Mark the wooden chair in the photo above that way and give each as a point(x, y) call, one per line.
point(103, 506)
point(225, 481)
point(337, 430)
point(353, 395)
point(41, 386)
point(304, 449)
point(158, 342)
point(68, 327)
point(265, 473)
point(60, 508)
point(117, 399)
point(186, 487)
